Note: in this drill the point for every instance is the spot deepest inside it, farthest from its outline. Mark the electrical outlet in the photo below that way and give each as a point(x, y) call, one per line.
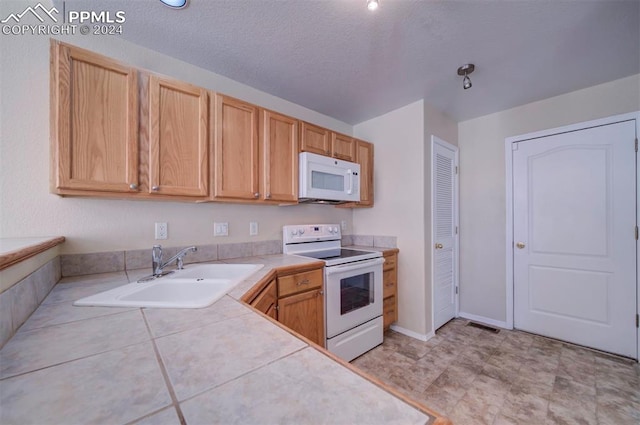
point(162, 231)
point(343, 225)
point(253, 228)
point(220, 229)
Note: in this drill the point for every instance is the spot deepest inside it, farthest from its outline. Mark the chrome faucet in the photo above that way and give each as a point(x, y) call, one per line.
point(158, 265)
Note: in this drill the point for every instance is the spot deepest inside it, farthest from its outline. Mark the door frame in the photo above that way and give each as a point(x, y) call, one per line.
point(456, 222)
point(508, 149)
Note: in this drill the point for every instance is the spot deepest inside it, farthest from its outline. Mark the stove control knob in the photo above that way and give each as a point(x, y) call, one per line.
point(294, 232)
point(301, 231)
point(335, 230)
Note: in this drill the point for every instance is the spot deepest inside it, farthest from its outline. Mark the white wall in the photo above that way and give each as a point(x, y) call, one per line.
point(403, 200)
point(93, 225)
point(440, 125)
point(398, 137)
point(482, 182)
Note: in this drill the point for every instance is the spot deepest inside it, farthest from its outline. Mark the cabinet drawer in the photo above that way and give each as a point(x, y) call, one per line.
point(390, 314)
point(389, 283)
point(390, 262)
point(300, 282)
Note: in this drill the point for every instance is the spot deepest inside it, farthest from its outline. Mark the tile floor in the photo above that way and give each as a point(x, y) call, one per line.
point(476, 377)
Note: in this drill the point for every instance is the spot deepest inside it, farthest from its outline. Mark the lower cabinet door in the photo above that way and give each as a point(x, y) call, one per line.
point(304, 313)
point(267, 300)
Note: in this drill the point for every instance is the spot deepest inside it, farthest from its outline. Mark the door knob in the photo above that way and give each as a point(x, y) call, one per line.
point(520, 245)
point(439, 246)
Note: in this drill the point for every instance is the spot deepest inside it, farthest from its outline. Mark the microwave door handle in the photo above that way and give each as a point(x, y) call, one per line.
point(350, 190)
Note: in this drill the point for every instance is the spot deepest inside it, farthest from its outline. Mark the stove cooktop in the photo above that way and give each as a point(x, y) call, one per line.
point(340, 255)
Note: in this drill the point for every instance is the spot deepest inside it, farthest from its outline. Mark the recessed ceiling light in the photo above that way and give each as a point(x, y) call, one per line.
point(372, 4)
point(175, 4)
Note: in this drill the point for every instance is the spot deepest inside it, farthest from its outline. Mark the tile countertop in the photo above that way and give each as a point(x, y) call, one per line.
point(221, 364)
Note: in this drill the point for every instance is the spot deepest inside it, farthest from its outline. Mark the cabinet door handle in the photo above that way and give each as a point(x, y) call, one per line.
point(439, 246)
point(303, 282)
point(256, 195)
point(133, 186)
point(155, 188)
point(268, 196)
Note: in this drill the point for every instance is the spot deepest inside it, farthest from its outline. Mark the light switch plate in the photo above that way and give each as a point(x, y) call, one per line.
point(343, 225)
point(162, 231)
point(253, 228)
point(220, 229)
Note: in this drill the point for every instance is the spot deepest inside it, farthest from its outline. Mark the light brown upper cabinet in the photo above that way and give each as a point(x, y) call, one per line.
point(315, 139)
point(94, 123)
point(178, 138)
point(279, 157)
point(343, 147)
point(364, 157)
point(235, 153)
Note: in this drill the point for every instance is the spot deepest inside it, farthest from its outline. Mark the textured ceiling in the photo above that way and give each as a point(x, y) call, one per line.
point(336, 57)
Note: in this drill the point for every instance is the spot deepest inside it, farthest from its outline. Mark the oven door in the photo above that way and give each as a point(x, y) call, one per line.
point(353, 294)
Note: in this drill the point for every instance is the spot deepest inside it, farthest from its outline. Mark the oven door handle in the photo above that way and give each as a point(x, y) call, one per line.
point(350, 267)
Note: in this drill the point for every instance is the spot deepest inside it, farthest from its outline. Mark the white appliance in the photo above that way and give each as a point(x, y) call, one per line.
point(328, 180)
point(353, 287)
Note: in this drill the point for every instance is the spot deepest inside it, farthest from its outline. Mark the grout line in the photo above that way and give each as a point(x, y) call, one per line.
point(165, 374)
point(107, 350)
point(247, 372)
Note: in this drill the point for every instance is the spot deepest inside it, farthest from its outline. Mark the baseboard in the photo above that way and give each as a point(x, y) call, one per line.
point(484, 320)
point(412, 334)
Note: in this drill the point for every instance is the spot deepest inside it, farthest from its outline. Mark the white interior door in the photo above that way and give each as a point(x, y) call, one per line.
point(444, 193)
point(574, 224)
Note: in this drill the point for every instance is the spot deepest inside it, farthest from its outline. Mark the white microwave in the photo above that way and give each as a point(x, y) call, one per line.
point(328, 180)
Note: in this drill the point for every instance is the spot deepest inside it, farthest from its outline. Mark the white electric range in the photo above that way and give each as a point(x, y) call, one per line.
point(353, 287)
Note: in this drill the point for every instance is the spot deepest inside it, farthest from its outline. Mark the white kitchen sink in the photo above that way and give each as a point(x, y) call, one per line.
point(195, 286)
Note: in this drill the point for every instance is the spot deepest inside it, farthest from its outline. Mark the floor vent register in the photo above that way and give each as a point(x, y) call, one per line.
point(483, 327)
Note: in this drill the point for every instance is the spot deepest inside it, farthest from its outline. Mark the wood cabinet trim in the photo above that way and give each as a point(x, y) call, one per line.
point(14, 257)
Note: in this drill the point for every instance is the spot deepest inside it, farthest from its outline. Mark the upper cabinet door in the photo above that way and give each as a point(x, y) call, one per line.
point(314, 139)
point(178, 138)
point(343, 147)
point(364, 157)
point(279, 153)
point(94, 122)
point(235, 149)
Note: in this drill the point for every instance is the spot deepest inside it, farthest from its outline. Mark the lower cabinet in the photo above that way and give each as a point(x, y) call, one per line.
point(390, 288)
point(295, 299)
point(301, 304)
point(267, 300)
point(304, 313)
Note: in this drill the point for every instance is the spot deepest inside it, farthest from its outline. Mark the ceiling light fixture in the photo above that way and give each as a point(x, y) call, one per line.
point(466, 70)
point(175, 4)
point(372, 4)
